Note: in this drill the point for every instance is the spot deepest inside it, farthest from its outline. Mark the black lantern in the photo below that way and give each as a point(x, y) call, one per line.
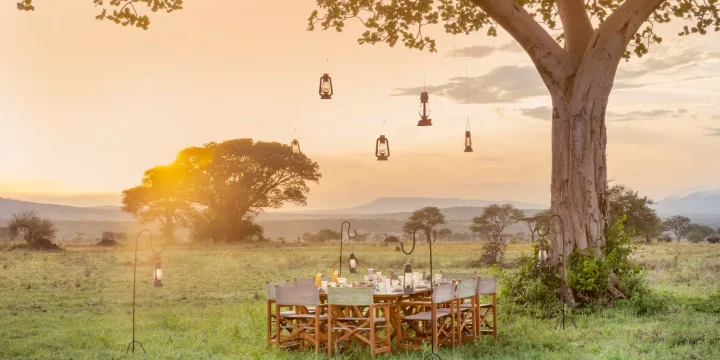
point(468, 142)
point(425, 114)
point(408, 280)
point(158, 273)
point(326, 87)
point(295, 145)
point(353, 264)
point(382, 148)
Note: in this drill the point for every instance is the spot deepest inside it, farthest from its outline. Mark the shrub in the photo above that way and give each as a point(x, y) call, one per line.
point(36, 231)
point(587, 275)
point(534, 287)
point(493, 251)
point(650, 303)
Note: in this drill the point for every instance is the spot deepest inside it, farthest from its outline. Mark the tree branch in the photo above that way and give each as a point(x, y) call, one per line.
point(628, 18)
point(577, 27)
point(553, 63)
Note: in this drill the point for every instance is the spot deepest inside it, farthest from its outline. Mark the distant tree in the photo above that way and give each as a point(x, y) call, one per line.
point(325, 235)
point(535, 223)
point(678, 225)
point(162, 196)
point(122, 12)
point(237, 179)
point(493, 221)
point(33, 228)
point(429, 217)
point(444, 233)
point(4, 232)
point(214, 229)
point(640, 218)
point(107, 235)
point(697, 233)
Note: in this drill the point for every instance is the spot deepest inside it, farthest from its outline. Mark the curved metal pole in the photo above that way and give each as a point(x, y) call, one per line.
point(432, 354)
point(341, 241)
point(133, 309)
point(151, 243)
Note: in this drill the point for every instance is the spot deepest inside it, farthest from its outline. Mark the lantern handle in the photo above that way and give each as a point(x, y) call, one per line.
point(342, 226)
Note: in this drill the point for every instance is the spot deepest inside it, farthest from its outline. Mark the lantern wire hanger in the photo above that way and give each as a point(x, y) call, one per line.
point(382, 147)
point(468, 137)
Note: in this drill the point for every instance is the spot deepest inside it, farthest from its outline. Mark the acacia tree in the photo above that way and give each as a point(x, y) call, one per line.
point(161, 197)
point(578, 68)
point(640, 218)
point(231, 182)
point(678, 225)
point(430, 217)
point(493, 221)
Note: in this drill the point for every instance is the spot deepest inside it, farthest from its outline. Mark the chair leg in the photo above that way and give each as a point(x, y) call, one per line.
point(277, 325)
point(269, 323)
point(494, 310)
point(330, 330)
point(388, 329)
point(317, 330)
point(372, 331)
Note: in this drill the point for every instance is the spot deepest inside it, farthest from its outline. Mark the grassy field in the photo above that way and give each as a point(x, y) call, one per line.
point(76, 304)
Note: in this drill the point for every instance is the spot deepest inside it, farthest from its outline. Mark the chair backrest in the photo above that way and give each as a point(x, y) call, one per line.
point(443, 293)
point(465, 289)
point(458, 276)
point(487, 286)
point(297, 296)
point(350, 296)
point(270, 288)
point(304, 282)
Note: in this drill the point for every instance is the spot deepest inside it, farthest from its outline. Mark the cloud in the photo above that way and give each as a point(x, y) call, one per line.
point(477, 52)
point(538, 113)
point(684, 59)
point(481, 51)
point(504, 84)
point(713, 131)
point(544, 113)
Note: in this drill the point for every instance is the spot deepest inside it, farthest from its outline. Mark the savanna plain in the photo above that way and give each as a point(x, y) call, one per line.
point(77, 303)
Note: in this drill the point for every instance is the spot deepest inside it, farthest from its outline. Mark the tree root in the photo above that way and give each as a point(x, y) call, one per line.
point(614, 287)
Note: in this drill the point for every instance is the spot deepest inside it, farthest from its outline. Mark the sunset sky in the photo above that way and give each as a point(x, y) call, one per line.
point(87, 106)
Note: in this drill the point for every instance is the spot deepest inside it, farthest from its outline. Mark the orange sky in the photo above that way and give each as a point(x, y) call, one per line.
point(86, 107)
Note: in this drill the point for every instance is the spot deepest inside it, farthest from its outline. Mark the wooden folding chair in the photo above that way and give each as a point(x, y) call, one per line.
point(304, 282)
point(270, 292)
point(415, 325)
point(465, 310)
point(352, 313)
point(483, 325)
point(458, 276)
point(302, 329)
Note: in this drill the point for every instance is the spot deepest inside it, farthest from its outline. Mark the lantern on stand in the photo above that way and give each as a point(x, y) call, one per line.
point(425, 112)
point(468, 142)
point(326, 87)
point(408, 285)
point(295, 146)
point(542, 253)
point(353, 264)
point(158, 273)
point(382, 148)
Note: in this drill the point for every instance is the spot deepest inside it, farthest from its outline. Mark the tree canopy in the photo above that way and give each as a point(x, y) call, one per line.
point(639, 217)
point(403, 21)
point(122, 12)
point(220, 187)
point(430, 217)
point(33, 228)
point(495, 219)
point(678, 225)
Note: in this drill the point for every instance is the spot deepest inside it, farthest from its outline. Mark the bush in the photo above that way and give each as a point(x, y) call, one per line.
point(649, 303)
point(587, 275)
point(533, 288)
point(493, 251)
point(36, 231)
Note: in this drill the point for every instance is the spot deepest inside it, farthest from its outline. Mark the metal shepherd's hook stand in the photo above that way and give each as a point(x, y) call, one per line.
point(342, 226)
point(432, 354)
point(133, 342)
point(561, 317)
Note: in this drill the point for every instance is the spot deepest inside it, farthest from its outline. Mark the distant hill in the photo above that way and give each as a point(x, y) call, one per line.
point(701, 202)
point(8, 207)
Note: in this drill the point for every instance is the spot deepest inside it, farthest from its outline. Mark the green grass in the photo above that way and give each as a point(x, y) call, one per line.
point(77, 304)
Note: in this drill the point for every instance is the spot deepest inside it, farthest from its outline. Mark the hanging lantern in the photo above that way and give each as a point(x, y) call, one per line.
point(468, 142)
point(295, 145)
point(542, 253)
point(353, 264)
point(425, 114)
point(158, 274)
point(382, 148)
point(326, 87)
point(408, 284)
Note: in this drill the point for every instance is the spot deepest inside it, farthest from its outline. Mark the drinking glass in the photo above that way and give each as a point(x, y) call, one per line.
point(395, 283)
point(342, 282)
point(438, 278)
point(324, 285)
